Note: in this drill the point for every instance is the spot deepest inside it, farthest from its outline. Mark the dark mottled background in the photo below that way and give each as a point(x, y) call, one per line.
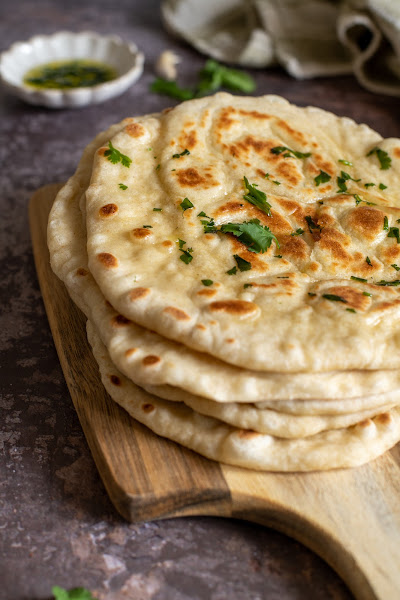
point(57, 525)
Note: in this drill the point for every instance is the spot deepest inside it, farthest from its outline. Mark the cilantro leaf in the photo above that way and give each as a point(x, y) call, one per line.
point(214, 75)
point(311, 224)
point(289, 153)
point(256, 197)
point(183, 153)
point(185, 204)
point(78, 593)
point(386, 223)
point(396, 267)
point(165, 87)
point(382, 186)
point(186, 257)
point(389, 283)
point(323, 177)
point(123, 186)
point(207, 282)
point(358, 279)
point(384, 159)
point(115, 156)
point(395, 233)
point(367, 185)
point(345, 162)
point(232, 271)
point(299, 231)
point(368, 261)
point(251, 233)
point(243, 265)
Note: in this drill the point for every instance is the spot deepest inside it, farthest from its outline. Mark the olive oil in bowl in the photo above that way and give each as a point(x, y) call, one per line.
point(69, 74)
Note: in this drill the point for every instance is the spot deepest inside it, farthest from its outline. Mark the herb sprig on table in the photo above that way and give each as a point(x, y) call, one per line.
point(78, 593)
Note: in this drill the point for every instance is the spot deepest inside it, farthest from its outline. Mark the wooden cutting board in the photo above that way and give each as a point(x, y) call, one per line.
point(351, 518)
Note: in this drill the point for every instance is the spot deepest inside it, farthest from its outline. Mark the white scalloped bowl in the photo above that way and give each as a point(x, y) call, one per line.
point(41, 49)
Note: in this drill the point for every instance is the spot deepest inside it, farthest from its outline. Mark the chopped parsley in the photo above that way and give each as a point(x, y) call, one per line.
point(311, 294)
point(384, 159)
point(395, 233)
point(170, 88)
point(277, 255)
point(232, 271)
point(366, 294)
point(148, 226)
point(341, 181)
point(247, 285)
point(185, 204)
point(385, 223)
point(289, 153)
point(243, 265)
point(256, 237)
point(334, 298)
point(367, 185)
point(214, 76)
point(368, 261)
point(358, 279)
point(396, 267)
point(157, 209)
point(208, 226)
point(358, 199)
point(345, 162)
point(299, 231)
point(123, 186)
point(158, 166)
point(115, 156)
point(323, 177)
point(382, 186)
point(256, 197)
point(350, 310)
point(184, 152)
point(311, 224)
point(207, 282)
point(186, 256)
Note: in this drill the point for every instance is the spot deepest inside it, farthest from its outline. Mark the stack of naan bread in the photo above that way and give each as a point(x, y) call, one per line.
point(273, 342)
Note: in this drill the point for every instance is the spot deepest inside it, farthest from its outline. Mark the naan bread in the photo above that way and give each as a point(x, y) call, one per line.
point(347, 447)
point(182, 370)
point(286, 321)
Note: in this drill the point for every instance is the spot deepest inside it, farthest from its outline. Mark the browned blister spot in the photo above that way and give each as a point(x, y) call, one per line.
point(141, 233)
point(396, 152)
point(188, 139)
point(390, 254)
point(130, 352)
point(147, 408)
point(325, 164)
point(384, 418)
point(107, 260)
point(230, 340)
point(201, 327)
point(234, 307)
point(191, 177)
point(176, 313)
point(247, 434)
point(231, 207)
point(138, 293)
point(167, 243)
point(294, 133)
point(354, 297)
point(207, 292)
point(289, 206)
point(254, 114)
point(366, 221)
point(108, 210)
point(334, 242)
point(115, 380)
point(365, 423)
point(288, 171)
point(294, 247)
point(150, 360)
point(225, 120)
point(284, 286)
point(135, 130)
point(81, 271)
point(101, 151)
point(119, 321)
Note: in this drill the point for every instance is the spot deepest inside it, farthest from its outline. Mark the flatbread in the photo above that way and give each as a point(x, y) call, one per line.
point(286, 321)
point(216, 440)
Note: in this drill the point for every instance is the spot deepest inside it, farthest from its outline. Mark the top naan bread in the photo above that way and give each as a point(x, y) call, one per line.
point(289, 319)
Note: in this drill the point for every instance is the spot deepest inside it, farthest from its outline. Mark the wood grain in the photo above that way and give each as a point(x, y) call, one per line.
point(351, 518)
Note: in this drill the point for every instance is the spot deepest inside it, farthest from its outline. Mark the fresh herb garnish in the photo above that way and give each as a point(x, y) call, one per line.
point(214, 76)
point(311, 224)
point(277, 255)
point(256, 197)
point(323, 177)
point(289, 153)
point(311, 294)
point(368, 261)
point(78, 593)
point(148, 226)
point(366, 294)
point(345, 162)
point(395, 233)
point(185, 204)
point(208, 226)
point(247, 285)
point(123, 186)
point(389, 283)
point(185, 152)
point(367, 185)
point(358, 279)
point(207, 282)
point(382, 186)
point(232, 271)
point(243, 265)
point(384, 159)
point(396, 267)
point(341, 181)
point(358, 199)
point(350, 310)
point(115, 156)
point(186, 256)
point(158, 166)
point(299, 231)
point(334, 298)
point(157, 209)
point(256, 237)
point(268, 176)
point(385, 223)
point(170, 88)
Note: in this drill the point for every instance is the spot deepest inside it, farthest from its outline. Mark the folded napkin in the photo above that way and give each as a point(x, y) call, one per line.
point(309, 38)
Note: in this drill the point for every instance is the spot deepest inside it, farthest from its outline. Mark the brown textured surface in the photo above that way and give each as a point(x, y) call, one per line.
point(57, 524)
